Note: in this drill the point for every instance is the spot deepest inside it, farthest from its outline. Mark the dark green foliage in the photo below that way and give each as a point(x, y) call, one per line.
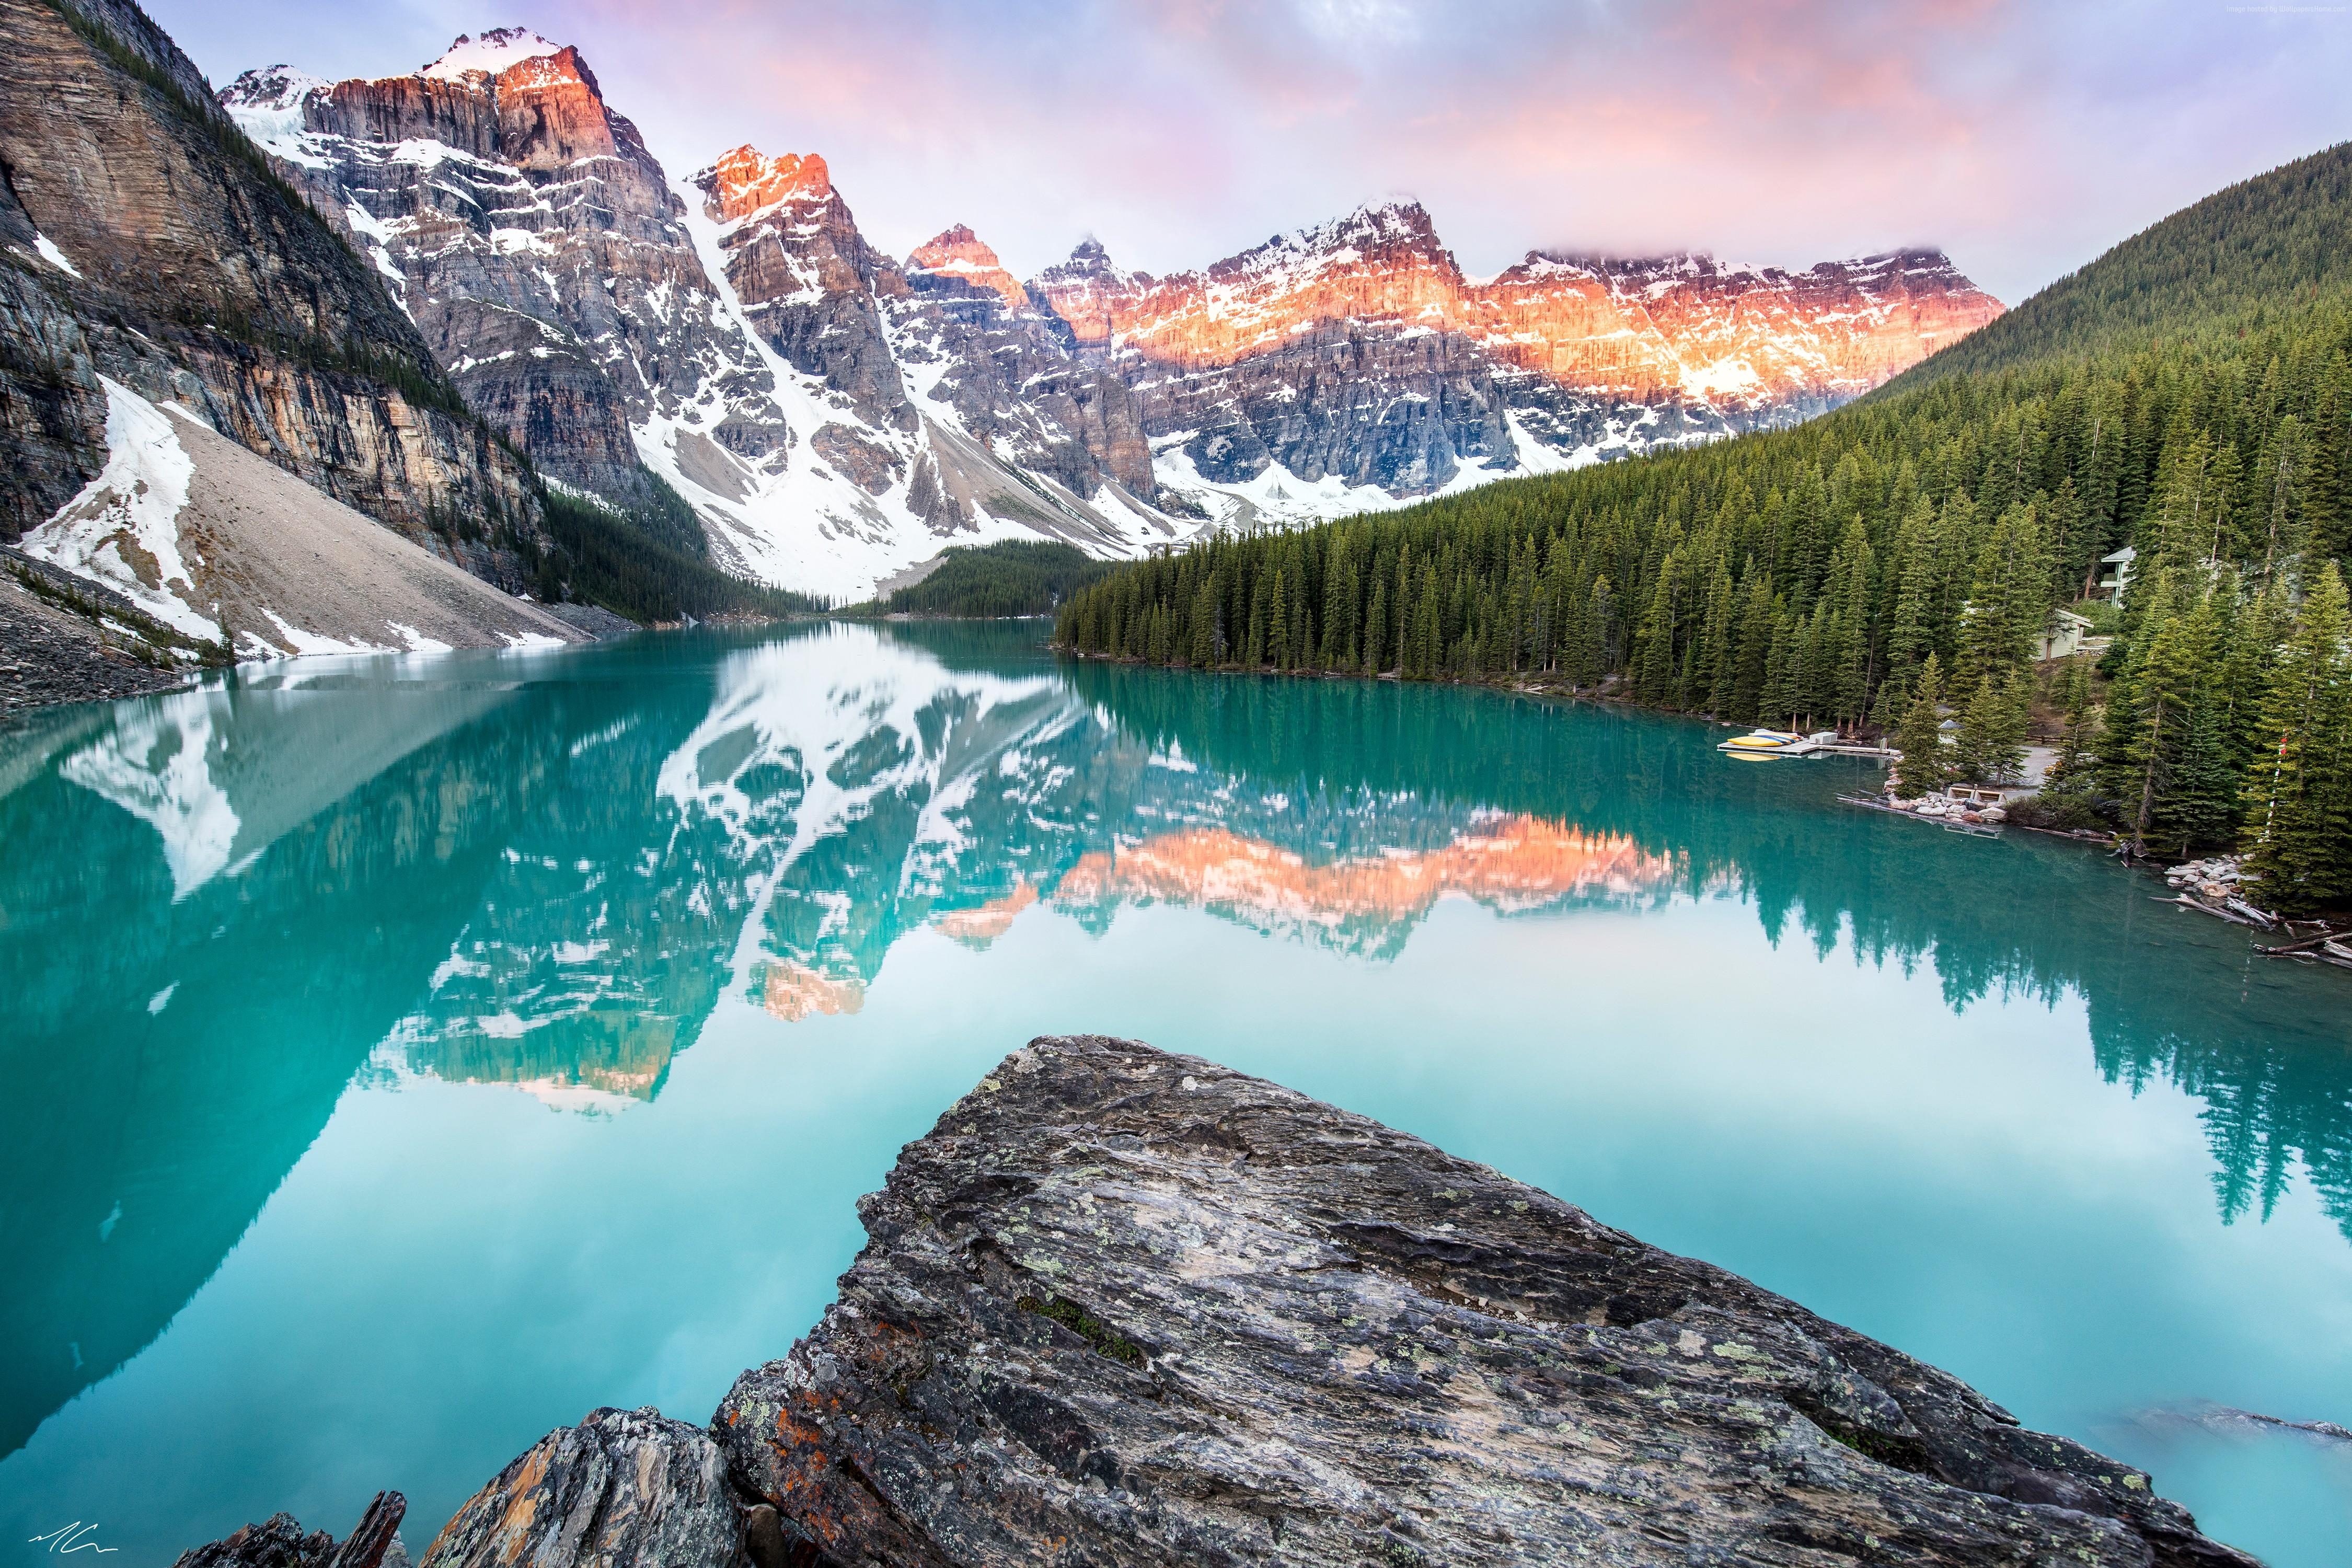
point(2299, 791)
point(1014, 577)
point(1925, 768)
point(669, 519)
point(604, 558)
point(2261, 245)
point(1087, 1326)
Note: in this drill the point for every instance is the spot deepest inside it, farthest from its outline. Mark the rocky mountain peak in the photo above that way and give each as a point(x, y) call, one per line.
point(1087, 293)
point(271, 88)
point(955, 262)
point(565, 67)
point(493, 54)
point(747, 182)
point(1090, 261)
point(486, 185)
point(1391, 233)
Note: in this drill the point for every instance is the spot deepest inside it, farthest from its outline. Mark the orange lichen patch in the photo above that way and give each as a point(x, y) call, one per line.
point(958, 254)
point(522, 1505)
point(748, 181)
point(1519, 862)
point(793, 992)
point(979, 927)
point(804, 1484)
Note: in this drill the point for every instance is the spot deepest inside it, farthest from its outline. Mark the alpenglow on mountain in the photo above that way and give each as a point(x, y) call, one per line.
point(833, 414)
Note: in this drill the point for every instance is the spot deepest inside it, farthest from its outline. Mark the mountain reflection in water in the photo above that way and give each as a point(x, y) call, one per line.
point(546, 875)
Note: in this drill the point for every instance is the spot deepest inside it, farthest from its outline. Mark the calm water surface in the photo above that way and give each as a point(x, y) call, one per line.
point(405, 1057)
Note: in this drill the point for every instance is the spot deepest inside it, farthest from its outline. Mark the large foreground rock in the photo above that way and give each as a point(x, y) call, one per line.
point(1122, 1306)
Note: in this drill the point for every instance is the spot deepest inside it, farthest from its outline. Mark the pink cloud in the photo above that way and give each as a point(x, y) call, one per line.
point(2022, 137)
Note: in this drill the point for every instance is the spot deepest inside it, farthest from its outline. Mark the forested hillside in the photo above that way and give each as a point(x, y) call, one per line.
point(2276, 240)
point(1011, 577)
point(2187, 394)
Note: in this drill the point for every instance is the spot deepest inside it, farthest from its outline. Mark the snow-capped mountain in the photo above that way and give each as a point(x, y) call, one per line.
point(1353, 360)
point(833, 414)
point(725, 335)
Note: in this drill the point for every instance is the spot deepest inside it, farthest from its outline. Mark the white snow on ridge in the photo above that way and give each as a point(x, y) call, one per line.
point(797, 522)
point(1278, 497)
point(306, 643)
point(495, 51)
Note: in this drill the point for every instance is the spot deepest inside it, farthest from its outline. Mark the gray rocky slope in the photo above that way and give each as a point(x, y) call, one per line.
point(1124, 1307)
point(215, 418)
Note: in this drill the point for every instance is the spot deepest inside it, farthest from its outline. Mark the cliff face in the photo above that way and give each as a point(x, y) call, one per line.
point(534, 240)
point(809, 282)
point(970, 334)
point(1122, 1306)
point(1335, 352)
point(1737, 346)
point(143, 240)
point(734, 336)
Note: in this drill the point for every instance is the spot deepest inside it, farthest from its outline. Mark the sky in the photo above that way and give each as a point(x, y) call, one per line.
point(2021, 138)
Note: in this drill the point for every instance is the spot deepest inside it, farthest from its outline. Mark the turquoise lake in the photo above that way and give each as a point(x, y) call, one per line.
point(406, 1056)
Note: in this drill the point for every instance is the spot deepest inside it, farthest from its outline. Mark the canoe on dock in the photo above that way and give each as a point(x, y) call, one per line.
point(1758, 743)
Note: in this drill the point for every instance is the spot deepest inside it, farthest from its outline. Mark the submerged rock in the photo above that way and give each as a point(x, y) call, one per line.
point(1122, 1307)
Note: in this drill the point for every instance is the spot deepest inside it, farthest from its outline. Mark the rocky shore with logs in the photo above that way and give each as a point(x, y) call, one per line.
point(1122, 1307)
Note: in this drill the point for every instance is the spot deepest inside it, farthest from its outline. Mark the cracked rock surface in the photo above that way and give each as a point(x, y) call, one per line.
point(1124, 1307)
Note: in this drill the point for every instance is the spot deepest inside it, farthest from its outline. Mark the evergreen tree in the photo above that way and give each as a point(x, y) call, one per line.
point(2299, 819)
point(1990, 746)
point(1920, 739)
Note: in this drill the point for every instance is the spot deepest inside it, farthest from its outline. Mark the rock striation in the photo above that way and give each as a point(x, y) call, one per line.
point(1125, 1306)
point(623, 1487)
point(1122, 1306)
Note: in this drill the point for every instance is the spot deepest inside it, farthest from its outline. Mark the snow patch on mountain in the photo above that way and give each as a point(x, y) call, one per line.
point(799, 520)
point(124, 528)
point(1278, 497)
point(496, 51)
point(48, 251)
